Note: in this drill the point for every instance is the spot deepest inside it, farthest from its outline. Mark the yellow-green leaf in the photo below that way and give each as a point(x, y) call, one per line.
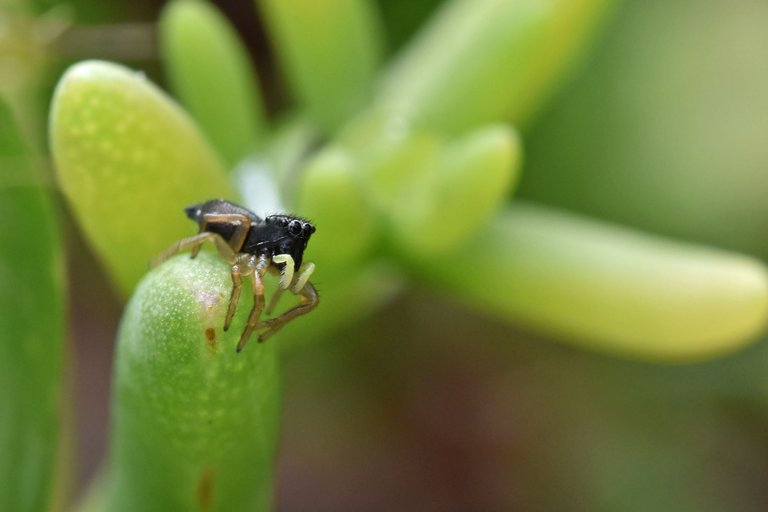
point(608, 288)
point(128, 160)
point(209, 70)
point(484, 61)
point(330, 51)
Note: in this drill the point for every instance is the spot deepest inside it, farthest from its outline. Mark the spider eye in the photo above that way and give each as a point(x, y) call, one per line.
point(308, 229)
point(294, 227)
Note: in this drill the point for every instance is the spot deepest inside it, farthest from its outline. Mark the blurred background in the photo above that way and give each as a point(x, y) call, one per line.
point(427, 405)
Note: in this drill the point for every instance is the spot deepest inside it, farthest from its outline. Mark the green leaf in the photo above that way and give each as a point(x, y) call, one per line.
point(432, 191)
point(330, 51)
point(609, 288)
point(31, 330)
point(128, 161)
point(484, 61)
point(333, 197)
point(474, 177)
point(195, 423)
point(390, 155)
point(210, 72)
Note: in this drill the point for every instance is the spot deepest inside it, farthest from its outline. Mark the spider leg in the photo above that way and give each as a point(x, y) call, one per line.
point(307, 302)
point(242, 225)
point(234, 298)
point(274, 300)
point(300, 280)
point(195, 242)
point(258, 301)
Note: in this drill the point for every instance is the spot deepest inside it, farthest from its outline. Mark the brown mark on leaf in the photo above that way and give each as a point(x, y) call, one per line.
point(205, 489)
point(210, 337)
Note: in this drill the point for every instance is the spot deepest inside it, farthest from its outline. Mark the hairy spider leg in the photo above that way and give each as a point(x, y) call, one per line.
point(274, 300)
point(236, 241)
point(234, 296)
point(259, 268)
point(244, 265)
point(196, 241)
point(299, 280)
point(307, 302)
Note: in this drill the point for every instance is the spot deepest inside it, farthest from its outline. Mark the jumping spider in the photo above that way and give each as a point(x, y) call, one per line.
point(253, 246)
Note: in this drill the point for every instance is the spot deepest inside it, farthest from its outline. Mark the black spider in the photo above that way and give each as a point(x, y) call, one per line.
point(253, 246)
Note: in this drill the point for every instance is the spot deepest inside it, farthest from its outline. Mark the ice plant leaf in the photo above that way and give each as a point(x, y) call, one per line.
point(128, 160)
point(609, 288)
point(330, 51)
point(31, 329)
point(195, 423)
point(210, 73)
point(474, 176)
point(332, 196)
point(484, 61)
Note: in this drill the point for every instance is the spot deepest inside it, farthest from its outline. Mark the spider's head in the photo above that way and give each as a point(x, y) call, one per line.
point(289, 235)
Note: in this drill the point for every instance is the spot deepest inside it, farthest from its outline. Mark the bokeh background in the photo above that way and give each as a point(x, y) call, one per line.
point(427, 405)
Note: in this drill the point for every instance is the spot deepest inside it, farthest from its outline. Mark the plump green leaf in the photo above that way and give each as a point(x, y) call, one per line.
point(209, 71)
point(195, 423)
point(431, 191)
point(473, 177)
point(484, 61)
point(333, 197)
point(330, 51)
point(31, 329)
point(128, 160)
point(608, 288)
